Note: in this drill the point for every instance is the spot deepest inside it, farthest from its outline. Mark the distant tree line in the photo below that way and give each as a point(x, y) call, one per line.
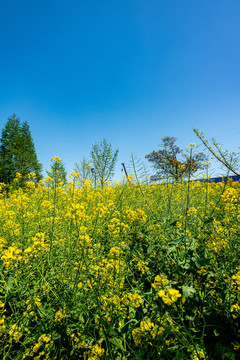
point(18, 158)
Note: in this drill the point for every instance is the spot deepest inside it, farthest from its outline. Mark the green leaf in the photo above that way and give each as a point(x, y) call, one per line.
point(117, 343)
point(132, 312)
point(188, 291)
point(10, 283)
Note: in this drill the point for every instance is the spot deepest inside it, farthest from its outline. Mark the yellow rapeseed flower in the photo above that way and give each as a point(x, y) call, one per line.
point(169, 296)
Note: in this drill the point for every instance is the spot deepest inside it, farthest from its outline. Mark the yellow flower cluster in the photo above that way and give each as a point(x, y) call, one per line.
point(17, 176)
point(60, 315)
point(235, 309)
point(16, 332)
point(198, 355)
point(169, 296)
point(159, 281)
point(147, 331)
point(115, 251)
point(44, 342)
point(11, 255)
point(135, 215)
point(31, 176)
point(135, 299)
point(2, 325)
point(56, 158)
point(96, 352)
point(236, 281)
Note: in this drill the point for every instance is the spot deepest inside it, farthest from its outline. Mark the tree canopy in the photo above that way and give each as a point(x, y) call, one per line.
point(172, 162)
point(17, 152)
point(103, 159)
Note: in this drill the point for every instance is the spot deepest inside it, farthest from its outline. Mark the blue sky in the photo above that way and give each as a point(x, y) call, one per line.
point(130, 71)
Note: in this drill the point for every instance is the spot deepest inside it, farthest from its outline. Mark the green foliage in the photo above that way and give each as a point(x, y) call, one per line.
point(58, 172)
point(17, 152)
point(172, 162)
point(92, 274)
point(104, 160)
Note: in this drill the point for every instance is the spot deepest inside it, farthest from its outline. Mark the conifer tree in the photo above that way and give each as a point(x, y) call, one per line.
point(17, 152)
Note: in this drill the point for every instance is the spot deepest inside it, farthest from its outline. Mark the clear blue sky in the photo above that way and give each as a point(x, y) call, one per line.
point(131, 71)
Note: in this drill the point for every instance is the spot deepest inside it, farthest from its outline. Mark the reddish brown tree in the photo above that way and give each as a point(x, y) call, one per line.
point(171, 161)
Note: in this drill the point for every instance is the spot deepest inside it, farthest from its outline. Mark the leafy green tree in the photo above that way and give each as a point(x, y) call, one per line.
point(58, 172)
point(17, 152)
point(172, 162)
point(103, 159)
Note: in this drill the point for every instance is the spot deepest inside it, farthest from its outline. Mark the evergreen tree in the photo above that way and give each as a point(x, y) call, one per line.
point(17, 152)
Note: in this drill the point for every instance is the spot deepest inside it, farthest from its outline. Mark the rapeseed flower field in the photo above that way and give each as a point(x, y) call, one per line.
point(120, 272)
